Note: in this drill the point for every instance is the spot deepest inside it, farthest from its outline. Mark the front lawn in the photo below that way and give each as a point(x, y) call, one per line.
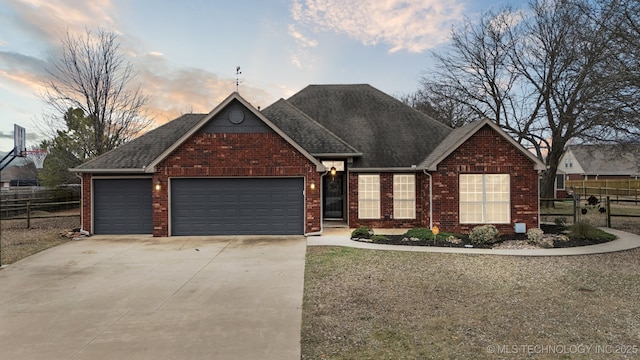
point(367, 304)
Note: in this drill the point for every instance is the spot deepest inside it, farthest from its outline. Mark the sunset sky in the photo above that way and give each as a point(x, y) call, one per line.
point(186, 52)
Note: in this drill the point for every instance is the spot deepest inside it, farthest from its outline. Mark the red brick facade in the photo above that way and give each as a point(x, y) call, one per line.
point(235, 155)
point(486, 152)
point(386, 203)
point(269, 155)
point(85, 203)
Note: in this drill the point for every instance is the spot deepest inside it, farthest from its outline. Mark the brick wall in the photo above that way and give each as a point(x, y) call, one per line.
point(386, 203)
point(486, 152)
point(85, 203)
point(242, 155)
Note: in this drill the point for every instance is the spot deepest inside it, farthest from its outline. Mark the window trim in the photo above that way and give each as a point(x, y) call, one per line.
point(484, 201)
point(372, 201)
point(397, 200)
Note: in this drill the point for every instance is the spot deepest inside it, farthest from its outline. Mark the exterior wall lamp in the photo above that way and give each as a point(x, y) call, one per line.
point(158, 185)
point(312, 186)
point(333, 171)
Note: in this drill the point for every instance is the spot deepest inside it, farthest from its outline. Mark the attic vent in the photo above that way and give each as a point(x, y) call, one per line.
point(236, 116)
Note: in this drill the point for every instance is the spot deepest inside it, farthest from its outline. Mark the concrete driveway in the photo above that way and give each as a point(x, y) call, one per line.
point(138, 297)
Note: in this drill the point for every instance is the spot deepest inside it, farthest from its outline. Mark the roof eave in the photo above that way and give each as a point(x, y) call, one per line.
point(336, 155)
point(102, 171)
point(386, 169)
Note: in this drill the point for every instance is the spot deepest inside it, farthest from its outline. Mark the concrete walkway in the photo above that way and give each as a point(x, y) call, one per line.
point(341, 237)
point(138, 297)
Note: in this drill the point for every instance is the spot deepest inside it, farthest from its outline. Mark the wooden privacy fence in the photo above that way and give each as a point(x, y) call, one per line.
point(628, 188)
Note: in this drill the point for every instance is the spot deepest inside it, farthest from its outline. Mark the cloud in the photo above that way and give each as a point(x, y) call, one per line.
point(46, 20)
point(22, 70)
point(175, 91)
point(301, 38)
point(6, 135)
point(404, 25)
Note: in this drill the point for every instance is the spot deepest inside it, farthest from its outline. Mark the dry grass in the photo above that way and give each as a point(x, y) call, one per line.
point(19, 242)
point(365, 304)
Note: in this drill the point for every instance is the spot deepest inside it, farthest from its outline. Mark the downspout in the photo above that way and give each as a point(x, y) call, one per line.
point(318, 233)
point(430, 198)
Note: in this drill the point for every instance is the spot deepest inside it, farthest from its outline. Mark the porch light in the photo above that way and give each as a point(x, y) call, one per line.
point(158, 185)
point(312, 186)
point(333, 171)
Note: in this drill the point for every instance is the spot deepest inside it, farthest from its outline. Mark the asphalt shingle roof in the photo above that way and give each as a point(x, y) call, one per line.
point(140, 152)
point(389, 133)
point(604, 159)
point(357, 121)
point(309, 134)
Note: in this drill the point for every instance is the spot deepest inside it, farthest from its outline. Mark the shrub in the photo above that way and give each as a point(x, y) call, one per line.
point(537, 237)
point(379, 238)
point(534, 235)
point(484, 235)
point(419, 233)
point(586, 231)
point(363, 232)
point(453, 240)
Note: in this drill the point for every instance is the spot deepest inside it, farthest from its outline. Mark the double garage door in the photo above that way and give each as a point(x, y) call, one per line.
point(241, 206)
point(237, 206)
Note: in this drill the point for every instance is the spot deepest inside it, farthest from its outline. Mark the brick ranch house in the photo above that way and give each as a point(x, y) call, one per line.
point(343, 153)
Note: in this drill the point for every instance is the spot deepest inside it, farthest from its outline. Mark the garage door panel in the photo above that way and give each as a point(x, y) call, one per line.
point(122, 206)
point(237, 206)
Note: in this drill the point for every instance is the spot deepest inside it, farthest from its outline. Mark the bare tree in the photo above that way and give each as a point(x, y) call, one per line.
point(92, 75)
point(443, 108)
point(547, 75)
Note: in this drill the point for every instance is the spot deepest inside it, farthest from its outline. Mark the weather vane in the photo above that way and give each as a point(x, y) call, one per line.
point(238, 72)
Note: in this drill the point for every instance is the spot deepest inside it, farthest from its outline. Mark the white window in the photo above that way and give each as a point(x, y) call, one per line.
point(485, 199)
point(369, 196)
point(404, 196)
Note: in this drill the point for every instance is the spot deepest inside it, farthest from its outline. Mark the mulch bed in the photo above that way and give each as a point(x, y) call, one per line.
point(547, 228)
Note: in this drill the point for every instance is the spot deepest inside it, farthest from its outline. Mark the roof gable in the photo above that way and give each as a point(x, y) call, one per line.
point(458, 136)
point(144, 153)
point(389, 133)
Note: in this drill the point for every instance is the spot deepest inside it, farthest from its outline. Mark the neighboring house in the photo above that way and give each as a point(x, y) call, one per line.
point(343, 153)
point(20, 172)
point(593, 162)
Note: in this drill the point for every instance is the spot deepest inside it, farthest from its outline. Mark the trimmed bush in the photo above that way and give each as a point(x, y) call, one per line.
point(363, 232)
point(379, 238)
point(534, 235)
point(484, 235)
point(419, 233)
point(537, 237)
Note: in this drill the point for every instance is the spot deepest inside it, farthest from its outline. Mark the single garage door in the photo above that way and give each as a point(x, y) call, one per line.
point(122, 206)
point(262, 206)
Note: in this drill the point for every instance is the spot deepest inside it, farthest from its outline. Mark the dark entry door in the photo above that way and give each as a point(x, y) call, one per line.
point(333, 196)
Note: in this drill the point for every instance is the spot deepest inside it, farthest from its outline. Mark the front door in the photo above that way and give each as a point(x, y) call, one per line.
point(333, 196)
